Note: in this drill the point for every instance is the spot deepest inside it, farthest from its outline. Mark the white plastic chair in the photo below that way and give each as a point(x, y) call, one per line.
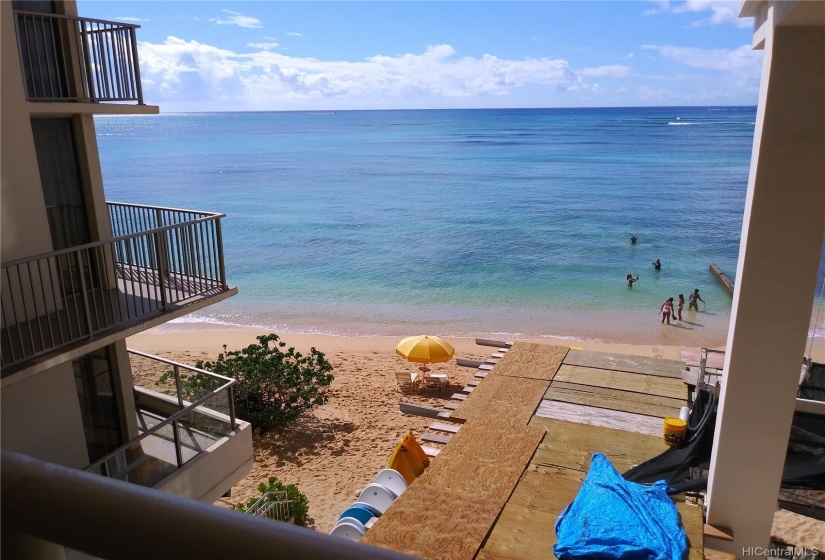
point(370, 507)
point(392, 480)
point(378, 496)
point(349, 528)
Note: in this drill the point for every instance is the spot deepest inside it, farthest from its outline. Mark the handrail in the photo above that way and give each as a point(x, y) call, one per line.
point(76, 18)
point(227, 386)
point(108, 519)
point(95, 244)
point(167, 208)
point(71, 58)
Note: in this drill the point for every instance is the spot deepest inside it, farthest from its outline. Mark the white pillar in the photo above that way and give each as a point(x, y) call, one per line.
point(781, 244)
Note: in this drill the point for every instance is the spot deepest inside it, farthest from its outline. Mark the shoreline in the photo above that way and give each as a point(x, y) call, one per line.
point(211, 337)
point(336, 449)
point(204, 337)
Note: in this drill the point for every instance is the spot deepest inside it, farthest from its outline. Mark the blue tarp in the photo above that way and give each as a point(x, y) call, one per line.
point(614, 518)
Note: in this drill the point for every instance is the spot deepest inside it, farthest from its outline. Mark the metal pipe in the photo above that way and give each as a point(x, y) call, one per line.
point(86, 512)
point(176, 437)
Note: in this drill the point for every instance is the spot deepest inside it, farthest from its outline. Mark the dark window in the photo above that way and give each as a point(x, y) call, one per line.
point(98, 403)
point(54, 142)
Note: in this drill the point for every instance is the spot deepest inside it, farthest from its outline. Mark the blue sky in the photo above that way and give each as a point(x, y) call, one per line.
point(263, 55)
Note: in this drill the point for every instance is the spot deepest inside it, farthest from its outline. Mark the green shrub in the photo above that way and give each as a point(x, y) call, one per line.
point(298, 509)
point(274, 387)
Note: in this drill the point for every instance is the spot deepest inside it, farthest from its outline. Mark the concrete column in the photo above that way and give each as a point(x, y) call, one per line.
point(781, 244)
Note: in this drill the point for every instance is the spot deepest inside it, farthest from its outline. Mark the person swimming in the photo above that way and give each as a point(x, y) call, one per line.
point(633, 239)
point(657, 265)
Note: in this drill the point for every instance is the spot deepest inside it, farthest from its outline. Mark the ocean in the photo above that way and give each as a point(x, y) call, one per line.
point(495, 223)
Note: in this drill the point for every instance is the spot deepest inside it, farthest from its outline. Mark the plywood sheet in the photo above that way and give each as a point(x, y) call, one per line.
point(434, 525)
point(448, 511)
point(613, 399)
point(620, 362)
point(633, 382)
point(602, 417)
point(519, 396)
point(535, 361)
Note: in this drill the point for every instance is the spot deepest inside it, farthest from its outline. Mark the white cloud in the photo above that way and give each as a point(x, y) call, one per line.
point(131, 18)
point(722, 11)
point(295, 34)
point(740, 60)
point(237, 18)
point(263, 46)
point(264, 79)
point(612, 71)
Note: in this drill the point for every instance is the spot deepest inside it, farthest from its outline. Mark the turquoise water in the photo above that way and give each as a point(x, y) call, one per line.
point(500, 223)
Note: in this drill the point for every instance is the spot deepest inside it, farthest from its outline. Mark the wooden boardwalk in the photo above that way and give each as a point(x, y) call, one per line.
point(531, 427)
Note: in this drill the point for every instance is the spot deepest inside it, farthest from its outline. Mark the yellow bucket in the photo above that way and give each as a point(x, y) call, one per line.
point(674, 431)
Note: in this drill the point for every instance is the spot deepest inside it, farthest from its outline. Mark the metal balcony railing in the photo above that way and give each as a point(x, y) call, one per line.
point(176, 422)
point(158, 260)
point(66, 58)
point(272, 505)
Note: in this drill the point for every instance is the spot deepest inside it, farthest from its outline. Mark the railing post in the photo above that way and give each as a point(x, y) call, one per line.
point(85, 295)
point(160, 247)
point(136, 64)
point(87, 61)
point(176, 435)
point(221, 266)
point(179, 385)
point(232, 407)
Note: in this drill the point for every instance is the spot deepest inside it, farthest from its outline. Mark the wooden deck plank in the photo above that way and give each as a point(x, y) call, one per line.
point(591, 396)
point(444, 427)
point(634, 382)
point(570, 445)
point(430, 451)
point(667, 402)
point(436, 438)
point(602, 417)
point(631, 364)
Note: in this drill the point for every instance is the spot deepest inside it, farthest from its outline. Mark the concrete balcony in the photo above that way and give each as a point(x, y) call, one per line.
point(160, 264)
point(189, 442)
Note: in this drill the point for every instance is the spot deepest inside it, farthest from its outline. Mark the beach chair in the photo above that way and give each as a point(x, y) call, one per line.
point(408, 382)
point(393, 480)
point(349, 528)
point(436, 381)
point(360, 513)
point(378, 496)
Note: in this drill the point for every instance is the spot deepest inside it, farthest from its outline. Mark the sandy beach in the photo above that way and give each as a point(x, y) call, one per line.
point(337, 449)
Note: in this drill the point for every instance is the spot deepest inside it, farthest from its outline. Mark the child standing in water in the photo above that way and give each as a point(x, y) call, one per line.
point(667, 310)
point(681, 305)
point(630, 280)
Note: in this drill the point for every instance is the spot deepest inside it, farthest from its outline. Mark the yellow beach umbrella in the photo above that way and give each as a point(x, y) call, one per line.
point(424, 349)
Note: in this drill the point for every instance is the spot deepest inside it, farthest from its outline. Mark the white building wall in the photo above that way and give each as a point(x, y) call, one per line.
point(40, 416)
